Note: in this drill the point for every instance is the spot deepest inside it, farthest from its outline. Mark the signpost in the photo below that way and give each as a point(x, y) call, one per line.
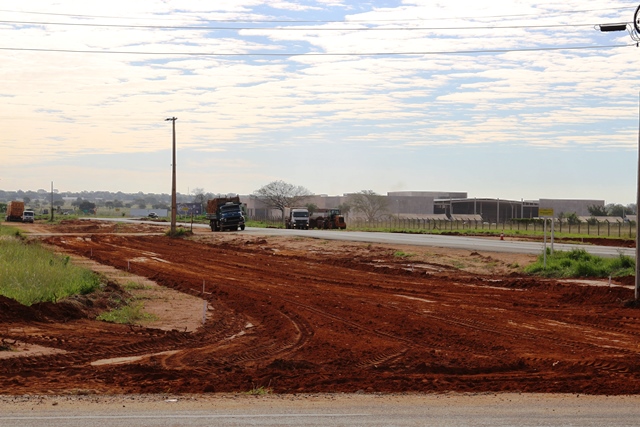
point(546, 213)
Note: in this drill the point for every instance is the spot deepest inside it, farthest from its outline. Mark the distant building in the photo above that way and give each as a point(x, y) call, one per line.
point(567, 206)
point(453, 205)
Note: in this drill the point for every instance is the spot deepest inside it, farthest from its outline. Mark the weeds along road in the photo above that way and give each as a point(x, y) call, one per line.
point(454, 242)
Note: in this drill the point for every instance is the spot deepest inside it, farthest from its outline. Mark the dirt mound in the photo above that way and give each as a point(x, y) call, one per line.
point(72, 308)
point(12, 311)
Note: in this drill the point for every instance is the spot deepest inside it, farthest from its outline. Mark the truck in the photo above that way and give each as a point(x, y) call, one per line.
point(14, 211)
point(225, 213)
point(28, 216)
point(297, 218)
point(327, 219)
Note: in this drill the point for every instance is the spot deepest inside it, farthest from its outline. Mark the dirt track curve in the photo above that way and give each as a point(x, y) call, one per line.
point(309, 320)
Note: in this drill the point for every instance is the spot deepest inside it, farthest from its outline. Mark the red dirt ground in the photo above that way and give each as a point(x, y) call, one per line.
point(305, 315)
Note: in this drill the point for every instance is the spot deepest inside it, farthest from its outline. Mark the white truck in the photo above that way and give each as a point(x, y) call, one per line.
point(28, 216)
point(297, 218)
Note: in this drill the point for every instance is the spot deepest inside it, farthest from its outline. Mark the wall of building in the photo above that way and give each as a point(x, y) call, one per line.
point(567, 206)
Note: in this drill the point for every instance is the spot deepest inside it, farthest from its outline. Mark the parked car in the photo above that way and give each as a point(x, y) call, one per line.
point(153, 215)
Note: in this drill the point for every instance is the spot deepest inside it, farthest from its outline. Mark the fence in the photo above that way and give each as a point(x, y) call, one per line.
point(603, 229)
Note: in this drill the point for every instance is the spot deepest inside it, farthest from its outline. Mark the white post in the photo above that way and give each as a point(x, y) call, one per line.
point(545, 244)
point(552, 232)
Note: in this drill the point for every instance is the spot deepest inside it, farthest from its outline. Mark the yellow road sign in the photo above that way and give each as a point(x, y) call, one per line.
point(545, 212)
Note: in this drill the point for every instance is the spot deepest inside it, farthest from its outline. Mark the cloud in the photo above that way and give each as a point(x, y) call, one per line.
point(238, 94)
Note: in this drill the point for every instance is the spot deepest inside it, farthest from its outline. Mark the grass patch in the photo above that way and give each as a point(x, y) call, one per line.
point(129, 314)
point(401, 254)
point(8, 231)
point(579, 263)
point(133, 286)
point(259, 391)
point(30, 273)
point(459, 265)
point(180, 232)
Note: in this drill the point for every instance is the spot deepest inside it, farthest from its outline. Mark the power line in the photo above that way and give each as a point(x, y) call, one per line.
point(274, 54)
point(214, 28)
point(559, 13)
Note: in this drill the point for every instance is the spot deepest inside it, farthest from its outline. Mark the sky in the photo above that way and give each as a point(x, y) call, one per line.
point(504, 99)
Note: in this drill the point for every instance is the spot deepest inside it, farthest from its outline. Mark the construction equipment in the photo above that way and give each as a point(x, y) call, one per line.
point(14, 211)
point(225, 213)
point(327, 219)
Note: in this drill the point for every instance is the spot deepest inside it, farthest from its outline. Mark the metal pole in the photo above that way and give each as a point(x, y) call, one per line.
point(637, 290)
point(51, 201)
point(173, 179)
point(544, 264)
point(553, 221)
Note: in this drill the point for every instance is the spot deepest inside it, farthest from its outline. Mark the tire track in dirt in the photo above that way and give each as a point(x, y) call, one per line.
point(325, 323)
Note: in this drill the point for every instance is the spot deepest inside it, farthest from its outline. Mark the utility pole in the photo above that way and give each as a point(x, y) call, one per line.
point(634, 32)
point(174, 206)
point(51, 201)
point(637, 278)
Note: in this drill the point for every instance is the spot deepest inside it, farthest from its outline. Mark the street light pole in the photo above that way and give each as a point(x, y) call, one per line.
point(634, 32)
point(174, 206)
point(637, 278)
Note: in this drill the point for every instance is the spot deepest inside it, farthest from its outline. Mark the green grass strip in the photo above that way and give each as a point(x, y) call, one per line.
point(30, 273)
point(579, 263)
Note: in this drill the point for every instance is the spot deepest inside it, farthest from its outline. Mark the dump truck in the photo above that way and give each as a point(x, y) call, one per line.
point(225, 213)
point(14, 211)
point(327, 219)
point(297, 218)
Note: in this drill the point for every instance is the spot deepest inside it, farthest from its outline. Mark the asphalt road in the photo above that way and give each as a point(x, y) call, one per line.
point(446, 410)
point(456, 242)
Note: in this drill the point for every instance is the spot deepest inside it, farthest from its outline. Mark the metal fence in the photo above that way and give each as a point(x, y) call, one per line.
point(603, 229)
point(592, 228)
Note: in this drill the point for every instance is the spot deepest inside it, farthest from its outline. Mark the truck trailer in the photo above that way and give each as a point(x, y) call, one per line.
point(225, 213)
point(14, 211)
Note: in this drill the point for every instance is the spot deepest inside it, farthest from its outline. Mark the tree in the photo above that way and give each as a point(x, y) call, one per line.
point(200, 197)
point(279, 195)
point(369, 203)
point(632, 209)
point(620, 210)
point(572, 218)
point(597, 210)
point(86, 206)
point(345, 208)
point(311, 207)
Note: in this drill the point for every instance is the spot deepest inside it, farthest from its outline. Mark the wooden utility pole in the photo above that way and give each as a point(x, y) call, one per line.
point(174, 206)
point(51, 201)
